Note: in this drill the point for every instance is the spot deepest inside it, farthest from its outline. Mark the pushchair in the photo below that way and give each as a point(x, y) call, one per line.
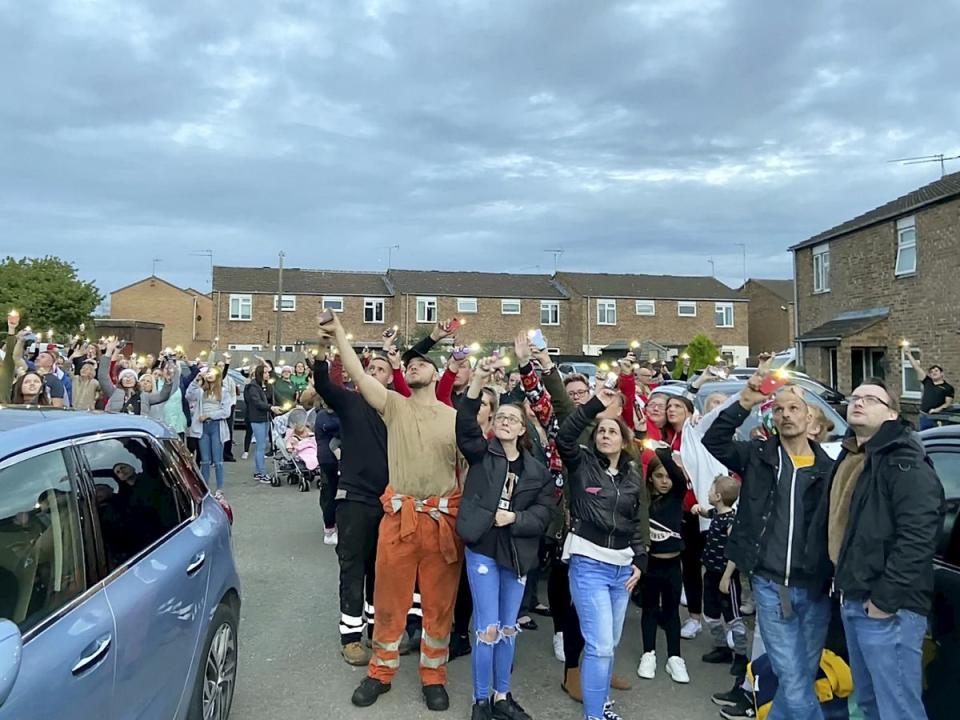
point(286, 463)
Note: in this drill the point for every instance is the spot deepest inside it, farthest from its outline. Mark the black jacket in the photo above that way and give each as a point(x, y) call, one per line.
point(896, 516)
point(764, 468)
point(608, 510)
point(534, 500)
point(257, 402)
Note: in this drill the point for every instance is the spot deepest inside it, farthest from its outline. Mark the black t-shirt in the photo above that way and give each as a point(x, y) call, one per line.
point(934, 395)
point(54, 387)
point(496, 542)
point(715, 545)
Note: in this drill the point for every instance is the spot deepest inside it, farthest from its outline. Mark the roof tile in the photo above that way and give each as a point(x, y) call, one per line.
point(299, 282)
point(648, 287)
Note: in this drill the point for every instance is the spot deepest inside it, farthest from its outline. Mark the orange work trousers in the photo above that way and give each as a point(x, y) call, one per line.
point(402, 561)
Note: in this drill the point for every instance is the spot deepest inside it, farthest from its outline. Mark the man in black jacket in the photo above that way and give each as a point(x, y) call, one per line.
point(779, 537)
point(886, 513)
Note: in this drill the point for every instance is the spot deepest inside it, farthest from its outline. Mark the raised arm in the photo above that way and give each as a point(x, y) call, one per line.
point(915, 364)
point(161, 396)
point(372, 391)
point(6, 371)
point(677, 476)
point(568, 439)
point(103, 371)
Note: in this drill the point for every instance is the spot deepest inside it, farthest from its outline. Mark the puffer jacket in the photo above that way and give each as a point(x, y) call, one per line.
point(612, 511)
point(896, 517)
point(117, 397)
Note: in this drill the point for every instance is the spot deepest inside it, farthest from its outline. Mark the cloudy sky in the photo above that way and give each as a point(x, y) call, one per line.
point(647, 136)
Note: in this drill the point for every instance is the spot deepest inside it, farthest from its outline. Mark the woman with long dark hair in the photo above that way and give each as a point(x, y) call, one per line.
point(258, 400)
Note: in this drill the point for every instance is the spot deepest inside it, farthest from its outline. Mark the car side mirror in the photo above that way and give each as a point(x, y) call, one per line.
point(11, 653)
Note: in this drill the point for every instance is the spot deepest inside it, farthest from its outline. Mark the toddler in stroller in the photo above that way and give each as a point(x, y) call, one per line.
point(298, 450)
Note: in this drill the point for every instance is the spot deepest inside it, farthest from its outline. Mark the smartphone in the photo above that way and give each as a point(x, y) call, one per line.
point(461, 353)
point(456, 324)
point(325, 316)
point(537, 338)
point(773, 382)
point(611, 381)
point(388, 333)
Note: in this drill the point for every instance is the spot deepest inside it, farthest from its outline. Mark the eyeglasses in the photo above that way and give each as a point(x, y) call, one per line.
point(578, 393)
point(867, 400)
point(511, 419)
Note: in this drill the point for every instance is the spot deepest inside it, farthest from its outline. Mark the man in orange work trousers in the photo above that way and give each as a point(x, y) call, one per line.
point(418, 540)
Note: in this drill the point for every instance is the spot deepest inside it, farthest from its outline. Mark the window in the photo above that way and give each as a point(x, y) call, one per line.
point(821, 268)
point(549, 312)
point(908, 376)
point(466, 305)
point(606, 312)
point(241, 307)
point(426, 309)
point(138, 502)
point(509, 307)
point(289, 303)
point(373, 310)
point(686, 309)
point(332, 302)
point(41, 565)
point(646, 307)
point(906, 246)
point(723, 315)
point(241, 346)
point(947, 465)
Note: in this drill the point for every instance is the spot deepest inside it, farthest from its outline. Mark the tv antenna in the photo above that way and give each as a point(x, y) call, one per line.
point(920, 159)
point(390, 249)
point(557, 254)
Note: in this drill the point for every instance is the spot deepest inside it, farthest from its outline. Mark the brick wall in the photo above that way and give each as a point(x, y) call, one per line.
point(154, 300)
point(770, 328)
point(923, 307)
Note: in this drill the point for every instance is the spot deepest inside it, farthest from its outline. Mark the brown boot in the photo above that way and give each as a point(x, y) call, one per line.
point(355, 654)
point(619, 683)
point(571, 684)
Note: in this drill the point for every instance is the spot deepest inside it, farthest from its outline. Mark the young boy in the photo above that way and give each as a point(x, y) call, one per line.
point(721, 581)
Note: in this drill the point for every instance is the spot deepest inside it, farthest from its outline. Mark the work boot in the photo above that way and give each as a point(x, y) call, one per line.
point(368, 691)
point(509, 709)
point(718, 656)
point(571, 684)
point(436, 697)
point(355, 654)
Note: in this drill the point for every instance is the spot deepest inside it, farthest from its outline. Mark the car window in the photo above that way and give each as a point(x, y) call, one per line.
point(138, 501)
point(947, 465)
point(41, 564)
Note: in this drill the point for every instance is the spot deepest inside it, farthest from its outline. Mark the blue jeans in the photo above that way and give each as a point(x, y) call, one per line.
point(600, 595)
point(211, 450)
point(259, 430)
point(925, 422)
point(497, 593)
point(794, 644)
point(885, 658)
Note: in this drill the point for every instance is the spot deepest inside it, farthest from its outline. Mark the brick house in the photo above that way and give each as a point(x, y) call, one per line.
point(873, 281)
point(186, 315)
point(611, 311)
point(771, 315)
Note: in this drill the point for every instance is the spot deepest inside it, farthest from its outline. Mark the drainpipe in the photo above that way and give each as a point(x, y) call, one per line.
point(796, 313)
point(589, 326)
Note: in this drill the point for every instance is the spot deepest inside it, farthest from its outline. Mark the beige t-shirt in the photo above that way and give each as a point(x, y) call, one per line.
point(421, 446)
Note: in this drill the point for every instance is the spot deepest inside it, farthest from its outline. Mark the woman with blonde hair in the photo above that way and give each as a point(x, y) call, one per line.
point(210, 407)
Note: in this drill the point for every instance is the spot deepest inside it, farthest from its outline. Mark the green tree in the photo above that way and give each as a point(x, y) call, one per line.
point(48, 294)
point(702, 352)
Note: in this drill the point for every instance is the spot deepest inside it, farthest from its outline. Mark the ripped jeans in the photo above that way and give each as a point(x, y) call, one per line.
point(497, 594)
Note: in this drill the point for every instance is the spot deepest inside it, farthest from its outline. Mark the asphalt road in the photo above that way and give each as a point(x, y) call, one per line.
point(290, 666)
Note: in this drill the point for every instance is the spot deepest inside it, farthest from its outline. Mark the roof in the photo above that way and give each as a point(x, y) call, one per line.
point(845, 325)
point(648, 287)
point(155, 278)
point(781, 288)
point(297, 281)
point(475, 284)
point(938, 191)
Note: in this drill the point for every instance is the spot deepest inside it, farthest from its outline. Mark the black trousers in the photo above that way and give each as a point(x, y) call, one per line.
point(717, 604)
point(692, 557)
point(565, 618)
point(358, 527)
point(247, 438)
point(328, 494)
point(660, 600)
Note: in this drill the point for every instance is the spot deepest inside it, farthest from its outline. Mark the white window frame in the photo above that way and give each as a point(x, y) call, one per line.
point(426, 303)
point(606, 306)
point(906, 367)
point(906, 227)
point(467, 306)
point(509, 302)
point(244, 347)
point(644, 303)
point(289, 303)
point(241, 301)
point(551, 308)
point(681, 304)
point(723, 307)
point(821, 268)
point(372, 304)
point(332, 302)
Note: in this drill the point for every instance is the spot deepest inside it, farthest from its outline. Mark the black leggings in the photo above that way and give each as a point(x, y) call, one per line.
point(692, 557)
point(565, 618)
point(660, 600)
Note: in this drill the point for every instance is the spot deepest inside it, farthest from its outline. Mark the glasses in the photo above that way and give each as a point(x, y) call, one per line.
point(578, 393)
point(510, 419)
point(867, 400)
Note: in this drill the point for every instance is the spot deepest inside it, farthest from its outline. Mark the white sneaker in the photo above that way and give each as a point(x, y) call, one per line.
point(748, 607)
point(558, 647)
point(677, 669)
point(648, 666)
point(245, 456)
point(683, 597)
point(330, 536)
point(691, 628)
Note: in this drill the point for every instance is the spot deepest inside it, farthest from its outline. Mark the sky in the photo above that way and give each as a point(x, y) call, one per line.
point(647, 136)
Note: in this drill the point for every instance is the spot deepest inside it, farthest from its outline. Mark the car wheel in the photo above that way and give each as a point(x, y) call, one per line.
point(217, 674)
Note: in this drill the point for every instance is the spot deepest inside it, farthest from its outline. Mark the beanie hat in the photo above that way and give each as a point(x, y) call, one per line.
point(127, 372)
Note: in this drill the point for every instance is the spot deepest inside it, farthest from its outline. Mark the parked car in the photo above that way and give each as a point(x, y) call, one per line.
point(118, 587)
point(942, 656)
point(830, 395)
point(583, 368)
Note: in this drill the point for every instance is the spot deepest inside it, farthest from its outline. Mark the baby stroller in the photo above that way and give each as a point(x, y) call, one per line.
point(287, 463)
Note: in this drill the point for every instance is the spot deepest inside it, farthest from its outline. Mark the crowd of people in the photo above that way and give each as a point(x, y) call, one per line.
point(450, 492)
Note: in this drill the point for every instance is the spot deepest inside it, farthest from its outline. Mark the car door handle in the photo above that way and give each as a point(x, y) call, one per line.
point(93, 653)
point(196, 563)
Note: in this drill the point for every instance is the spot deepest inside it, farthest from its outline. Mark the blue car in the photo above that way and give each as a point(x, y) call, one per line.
point(119, 595)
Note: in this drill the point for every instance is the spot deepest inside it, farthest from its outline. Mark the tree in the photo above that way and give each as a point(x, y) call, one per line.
point(702, 352)
point(48, 294)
